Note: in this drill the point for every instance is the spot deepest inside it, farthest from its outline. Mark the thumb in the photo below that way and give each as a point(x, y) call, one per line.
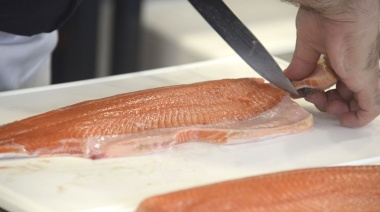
point(303, 63)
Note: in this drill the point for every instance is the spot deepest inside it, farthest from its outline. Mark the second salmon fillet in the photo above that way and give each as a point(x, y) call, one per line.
point(223, 112)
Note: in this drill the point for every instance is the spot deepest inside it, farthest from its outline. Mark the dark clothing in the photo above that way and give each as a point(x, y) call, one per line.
point(29, 17)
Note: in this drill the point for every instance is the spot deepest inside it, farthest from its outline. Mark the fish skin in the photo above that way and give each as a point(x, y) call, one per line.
point(322, 78)
point(355, 188)
point(126, 122)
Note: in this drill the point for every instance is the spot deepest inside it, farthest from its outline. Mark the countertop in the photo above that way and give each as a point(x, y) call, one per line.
point(119, 184)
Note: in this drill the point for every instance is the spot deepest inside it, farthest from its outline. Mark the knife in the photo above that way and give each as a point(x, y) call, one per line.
point(245, 44)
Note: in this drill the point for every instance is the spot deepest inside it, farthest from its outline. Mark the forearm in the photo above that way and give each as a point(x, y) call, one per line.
point(337, 7)
point(29, 17)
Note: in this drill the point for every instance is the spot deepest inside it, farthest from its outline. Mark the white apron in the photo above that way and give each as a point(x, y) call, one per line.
point(25, 61)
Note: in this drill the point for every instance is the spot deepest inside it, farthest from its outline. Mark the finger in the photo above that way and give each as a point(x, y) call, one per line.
point(333, 95)
point(354, 106)
point(303, 62)
point(330, 102)
point(343, 91)
point(363, 111)
point(357, 119)
point(319, 99)
point(337, 108)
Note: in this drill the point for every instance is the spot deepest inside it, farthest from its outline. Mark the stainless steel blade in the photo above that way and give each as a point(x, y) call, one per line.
point(245, 44)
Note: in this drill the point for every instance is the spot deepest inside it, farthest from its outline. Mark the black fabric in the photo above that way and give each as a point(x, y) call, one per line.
point(29, 17)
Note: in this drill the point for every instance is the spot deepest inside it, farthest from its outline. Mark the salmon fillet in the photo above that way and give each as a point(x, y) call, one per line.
point(318, 189)
point(223, 112)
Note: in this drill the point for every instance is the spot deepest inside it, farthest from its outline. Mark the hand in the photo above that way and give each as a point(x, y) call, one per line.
point(349, 38)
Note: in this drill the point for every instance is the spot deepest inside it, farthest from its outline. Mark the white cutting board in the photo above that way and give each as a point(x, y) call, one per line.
point(76, 184)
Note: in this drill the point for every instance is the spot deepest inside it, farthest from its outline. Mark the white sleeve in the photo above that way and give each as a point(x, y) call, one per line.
point(24, 60)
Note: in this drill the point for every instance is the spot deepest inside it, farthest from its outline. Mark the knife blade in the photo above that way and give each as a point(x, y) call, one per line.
point(245, 44)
